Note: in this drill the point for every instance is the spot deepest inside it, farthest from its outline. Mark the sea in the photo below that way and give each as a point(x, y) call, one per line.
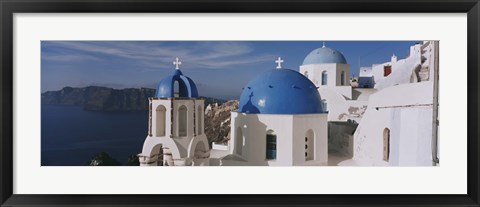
point(71, 136)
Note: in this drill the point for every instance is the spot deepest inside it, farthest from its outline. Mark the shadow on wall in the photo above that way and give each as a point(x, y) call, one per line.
point(340, 137)
point(250, 144)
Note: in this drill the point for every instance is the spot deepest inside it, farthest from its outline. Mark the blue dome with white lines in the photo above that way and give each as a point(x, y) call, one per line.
point(186, 86)
point(324, 55)
point(280, 91)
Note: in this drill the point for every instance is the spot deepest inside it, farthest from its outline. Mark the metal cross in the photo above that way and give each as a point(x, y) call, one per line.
point(279, 61)
point(177, 63)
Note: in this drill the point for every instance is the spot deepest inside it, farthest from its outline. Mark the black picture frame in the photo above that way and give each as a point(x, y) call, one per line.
point(9, 7)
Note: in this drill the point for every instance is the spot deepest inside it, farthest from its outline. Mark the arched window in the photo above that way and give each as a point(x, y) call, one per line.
point(309, 145)
point(176, 89)
point(324, 77)
point(386, 144)
point(342, 78)
point(150, 133)
point(160, 120)
point(199, 120)
point(182, 121)
point(239, 141)
point(271, 145)
point(324, 105)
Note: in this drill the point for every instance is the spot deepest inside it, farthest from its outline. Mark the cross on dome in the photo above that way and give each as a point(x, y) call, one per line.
point(279, 62)
point(323, 44)
point(177, 63)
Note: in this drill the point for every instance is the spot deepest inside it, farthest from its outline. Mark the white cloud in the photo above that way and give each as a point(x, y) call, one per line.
point(68, 58)
point(211, 55)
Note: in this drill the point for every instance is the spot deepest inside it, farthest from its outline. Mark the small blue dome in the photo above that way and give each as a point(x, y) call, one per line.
point(324, 55)
point(280, 91)
point(186, 87)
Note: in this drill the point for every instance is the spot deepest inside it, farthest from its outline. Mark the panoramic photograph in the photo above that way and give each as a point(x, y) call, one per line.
point(239, 103)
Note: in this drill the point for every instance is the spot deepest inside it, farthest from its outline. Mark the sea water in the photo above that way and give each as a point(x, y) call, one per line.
point(71, 136)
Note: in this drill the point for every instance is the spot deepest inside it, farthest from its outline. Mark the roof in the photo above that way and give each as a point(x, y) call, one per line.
point(324, 55)
point(280, 91)
point(186, 86)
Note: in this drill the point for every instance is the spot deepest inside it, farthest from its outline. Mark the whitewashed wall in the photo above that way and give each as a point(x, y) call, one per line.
point(340, 109)
point(319, 124)
point(184, 148)
point(401, 69)
point(409, 118)
point(290, 131)
point(333, 73)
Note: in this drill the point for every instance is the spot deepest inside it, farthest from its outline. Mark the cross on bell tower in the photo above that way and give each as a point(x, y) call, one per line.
point(177, 63)
point(279, 62)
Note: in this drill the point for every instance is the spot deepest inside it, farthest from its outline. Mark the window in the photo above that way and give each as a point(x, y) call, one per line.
point(324, 77)
point(324, 105)
point(199, 120)
point(387, 69)
point(239, 141)
point(309, 145)
point(176, 89)
point(150, 118)
point(342, 78)
point(182, 121)
point(271, 145)
point(160, 121)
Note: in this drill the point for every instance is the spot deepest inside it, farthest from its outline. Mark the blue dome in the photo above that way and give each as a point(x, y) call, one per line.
point(280, 91)
point(324, 55)
point(186, 87)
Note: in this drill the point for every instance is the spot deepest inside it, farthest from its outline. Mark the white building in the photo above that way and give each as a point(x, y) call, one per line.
point(280, 122)
point(328, 69)
point(175, 130)
point(287, 118)
point(399, 127)
point(413, 68)
point(365, 77)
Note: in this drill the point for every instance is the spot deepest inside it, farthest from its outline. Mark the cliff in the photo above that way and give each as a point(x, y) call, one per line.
point(96, 98)
point(217, 121)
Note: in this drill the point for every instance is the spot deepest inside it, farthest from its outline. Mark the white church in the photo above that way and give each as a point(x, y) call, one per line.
point(310, 117)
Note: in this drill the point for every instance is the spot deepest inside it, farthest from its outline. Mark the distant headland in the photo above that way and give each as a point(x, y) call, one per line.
point(98, 98)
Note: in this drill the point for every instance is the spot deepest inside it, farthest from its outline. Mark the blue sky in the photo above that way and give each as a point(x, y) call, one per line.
point(219, 68)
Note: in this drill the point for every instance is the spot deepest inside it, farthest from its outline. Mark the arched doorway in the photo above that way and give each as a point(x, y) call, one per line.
point(160, 121)
point(200, 150)
point(157, 152)
point(386, 144)
point(271, 145)
point(309, 145)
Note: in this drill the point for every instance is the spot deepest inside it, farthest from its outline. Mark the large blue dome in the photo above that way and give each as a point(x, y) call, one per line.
point(280, 91)
point(186, 87)
point(324, 55)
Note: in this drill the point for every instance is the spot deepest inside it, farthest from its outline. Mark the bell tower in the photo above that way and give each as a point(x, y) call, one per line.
point(176, 124)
